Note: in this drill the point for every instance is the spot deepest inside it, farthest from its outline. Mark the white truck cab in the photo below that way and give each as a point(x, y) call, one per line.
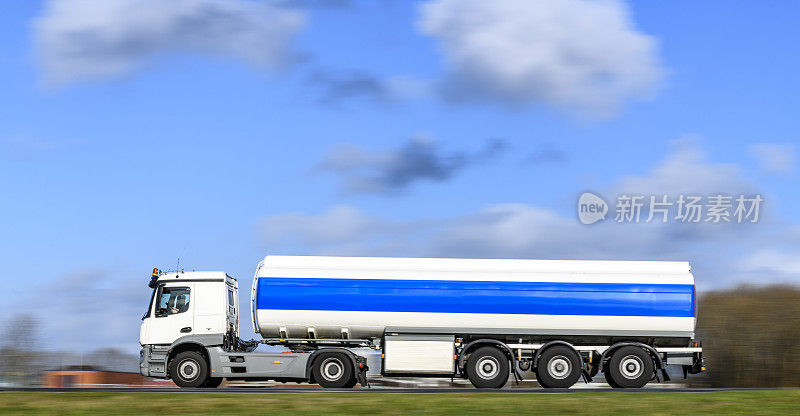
point(190, 334)
point(188, 304)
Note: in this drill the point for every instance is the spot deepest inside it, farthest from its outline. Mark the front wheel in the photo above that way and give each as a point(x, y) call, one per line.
point(189, 369)
point(488, 368)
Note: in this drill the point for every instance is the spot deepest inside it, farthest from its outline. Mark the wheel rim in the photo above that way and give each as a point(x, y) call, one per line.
point(488, 368)
point(559, 367)
point(631, 367)
point(332, 369)
point(189, 370)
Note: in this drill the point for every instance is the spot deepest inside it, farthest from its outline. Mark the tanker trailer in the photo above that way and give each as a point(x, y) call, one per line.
point(481, 319)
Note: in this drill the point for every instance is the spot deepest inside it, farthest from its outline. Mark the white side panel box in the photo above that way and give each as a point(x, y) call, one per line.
point(433, 354)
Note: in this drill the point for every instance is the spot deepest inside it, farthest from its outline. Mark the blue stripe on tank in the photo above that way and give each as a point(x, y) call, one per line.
point(451, 296)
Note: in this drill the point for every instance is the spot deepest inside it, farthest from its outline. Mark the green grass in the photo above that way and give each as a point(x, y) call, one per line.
point(773, 402)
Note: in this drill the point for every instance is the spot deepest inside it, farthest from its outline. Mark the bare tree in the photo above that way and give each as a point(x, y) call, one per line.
point(112, 359)
point(19, 359)
point(751, 336)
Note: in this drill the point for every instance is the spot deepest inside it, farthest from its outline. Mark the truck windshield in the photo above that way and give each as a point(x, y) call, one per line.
point(150, 307)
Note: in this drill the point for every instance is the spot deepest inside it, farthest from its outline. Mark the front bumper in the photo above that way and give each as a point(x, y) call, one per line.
point(153, 361)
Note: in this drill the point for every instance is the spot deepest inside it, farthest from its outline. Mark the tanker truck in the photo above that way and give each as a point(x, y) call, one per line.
point(486, 320)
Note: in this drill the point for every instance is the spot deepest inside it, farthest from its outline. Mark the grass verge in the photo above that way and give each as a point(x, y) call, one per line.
point(772, 402)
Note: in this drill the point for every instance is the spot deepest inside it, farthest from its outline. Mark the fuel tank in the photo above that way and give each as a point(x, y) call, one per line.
point(363, 297)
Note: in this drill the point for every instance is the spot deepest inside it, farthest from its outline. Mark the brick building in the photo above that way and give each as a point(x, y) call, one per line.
point(91, 376)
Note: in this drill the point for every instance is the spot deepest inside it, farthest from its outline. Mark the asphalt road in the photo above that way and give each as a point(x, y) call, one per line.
point(271, 390)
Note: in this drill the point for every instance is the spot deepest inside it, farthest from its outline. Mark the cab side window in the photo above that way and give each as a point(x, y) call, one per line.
point(172, 300)
point(231, 305)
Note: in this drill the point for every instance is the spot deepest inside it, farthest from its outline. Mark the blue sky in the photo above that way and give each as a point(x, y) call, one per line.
point(218, 132)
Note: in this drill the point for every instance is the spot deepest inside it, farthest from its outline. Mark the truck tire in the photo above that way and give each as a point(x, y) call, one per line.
point(351, 384)
point(334, 370)
point(488, 368)
point(558, 367)
point(189, 369)
point(212, 382)
point(630, 367)
point(607, 377)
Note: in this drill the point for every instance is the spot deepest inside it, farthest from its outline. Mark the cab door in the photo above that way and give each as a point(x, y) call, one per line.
point(173, 314)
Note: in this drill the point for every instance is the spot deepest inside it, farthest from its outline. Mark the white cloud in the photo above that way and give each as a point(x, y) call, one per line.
point(581, 55)
point(686, 170)
point(775, 159)
point(775, 255)
point(773, 260)
point(339, 223)
point(340, 230)
point(526, 231)
point(86, 40)
point(496, 231)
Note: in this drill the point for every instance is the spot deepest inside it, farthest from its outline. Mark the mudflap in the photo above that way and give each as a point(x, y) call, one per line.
point(362, 367)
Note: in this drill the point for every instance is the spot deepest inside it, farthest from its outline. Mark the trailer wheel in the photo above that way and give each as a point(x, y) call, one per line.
point(334, 370)
point(488, 368)
point(189, 369)
point(630, 367)
point(559, 367)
